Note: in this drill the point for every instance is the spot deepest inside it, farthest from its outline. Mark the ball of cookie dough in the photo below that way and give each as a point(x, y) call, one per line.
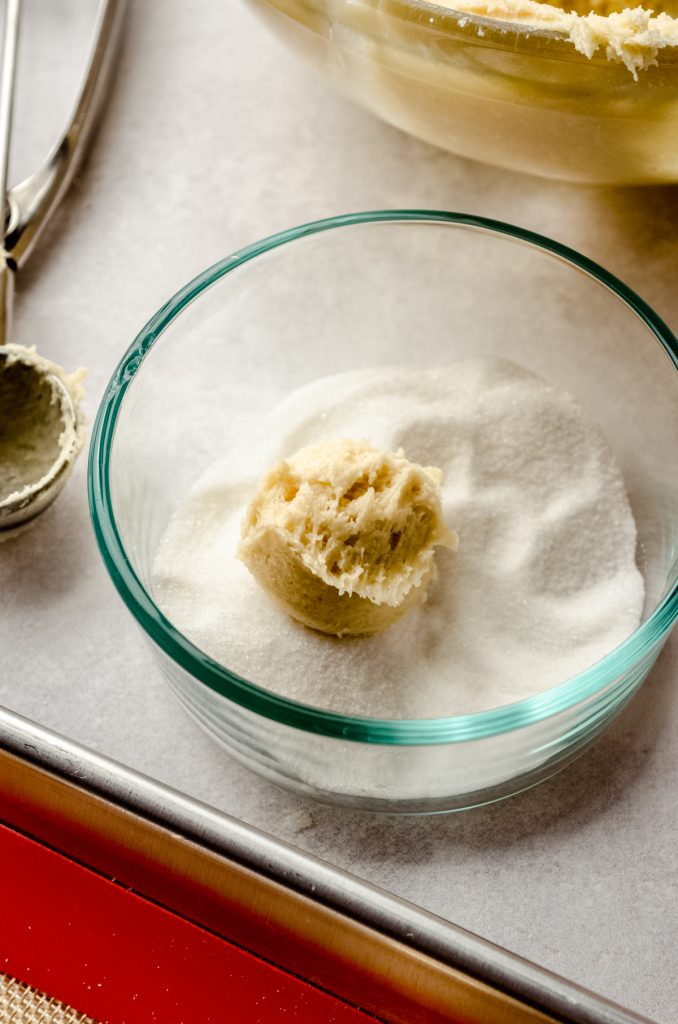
point(342, 535)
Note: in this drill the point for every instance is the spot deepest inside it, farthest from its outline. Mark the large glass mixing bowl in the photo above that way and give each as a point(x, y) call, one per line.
point(410, 288)
point(505, 94)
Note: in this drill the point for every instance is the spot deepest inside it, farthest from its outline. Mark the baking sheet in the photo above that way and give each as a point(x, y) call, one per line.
point(311, 920)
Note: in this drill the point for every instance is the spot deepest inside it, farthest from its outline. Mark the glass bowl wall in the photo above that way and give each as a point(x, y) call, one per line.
point(392, 288)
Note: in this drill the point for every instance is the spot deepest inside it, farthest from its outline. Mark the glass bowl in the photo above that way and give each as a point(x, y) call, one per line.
point(415, 288)
point(502, 93)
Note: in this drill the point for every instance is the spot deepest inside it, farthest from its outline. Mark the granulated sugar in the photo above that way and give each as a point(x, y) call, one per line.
point(543, 585)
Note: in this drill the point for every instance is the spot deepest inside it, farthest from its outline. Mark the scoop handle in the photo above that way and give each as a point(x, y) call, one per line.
point(33, 200)
point(10, 42)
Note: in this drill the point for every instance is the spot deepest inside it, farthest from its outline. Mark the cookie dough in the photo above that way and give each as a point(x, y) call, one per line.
point(631, 34)
point(342, 535)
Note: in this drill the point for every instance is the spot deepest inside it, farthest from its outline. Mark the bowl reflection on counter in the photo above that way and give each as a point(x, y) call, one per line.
point(369, 290)
point(518, 98)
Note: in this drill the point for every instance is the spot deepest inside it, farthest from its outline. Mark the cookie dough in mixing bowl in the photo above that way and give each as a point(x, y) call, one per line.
point(583, 90)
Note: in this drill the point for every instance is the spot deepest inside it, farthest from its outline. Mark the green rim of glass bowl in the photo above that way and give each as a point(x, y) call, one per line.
point(595, 679)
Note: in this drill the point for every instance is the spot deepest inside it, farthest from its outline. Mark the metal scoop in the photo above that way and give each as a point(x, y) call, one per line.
point(41, 425)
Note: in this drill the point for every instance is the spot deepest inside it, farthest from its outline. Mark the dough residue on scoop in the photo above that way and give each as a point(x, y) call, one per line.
point(42, 427)
point(342, 535)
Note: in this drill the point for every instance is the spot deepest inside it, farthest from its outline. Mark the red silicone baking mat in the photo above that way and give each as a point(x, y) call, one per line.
point(121, 959)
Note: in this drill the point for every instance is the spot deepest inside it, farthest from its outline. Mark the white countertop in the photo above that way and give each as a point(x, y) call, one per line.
point(213, 137)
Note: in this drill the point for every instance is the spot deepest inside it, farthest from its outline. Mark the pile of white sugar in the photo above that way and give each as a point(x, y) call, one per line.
point(543, 585)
